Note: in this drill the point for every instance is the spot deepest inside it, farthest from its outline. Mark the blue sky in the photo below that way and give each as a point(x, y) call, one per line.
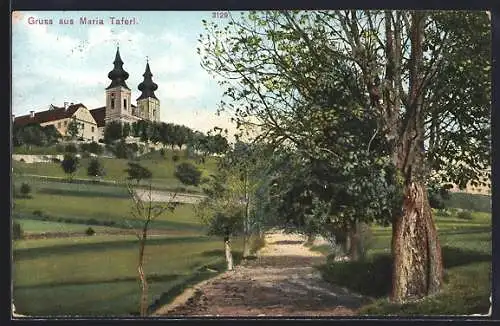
point(54, 63)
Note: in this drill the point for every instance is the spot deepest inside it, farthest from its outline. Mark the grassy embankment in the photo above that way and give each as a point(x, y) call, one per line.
point(466, 247)
point(96, 275)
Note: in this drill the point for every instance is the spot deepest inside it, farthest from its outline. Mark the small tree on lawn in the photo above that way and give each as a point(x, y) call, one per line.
point(73, 129)
point(223, 215)
point(69, 165)
point(95, 168)
point(189, 172)
point(137, 172)
point(146, 211)
point(25, 190)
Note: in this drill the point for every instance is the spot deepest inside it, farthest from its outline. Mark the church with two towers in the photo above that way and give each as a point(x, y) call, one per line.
point(118, 106)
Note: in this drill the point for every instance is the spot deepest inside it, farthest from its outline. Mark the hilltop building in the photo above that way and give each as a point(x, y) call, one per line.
point(118, 106)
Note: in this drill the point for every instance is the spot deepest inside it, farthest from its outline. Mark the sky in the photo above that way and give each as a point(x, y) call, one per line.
point(53, 63)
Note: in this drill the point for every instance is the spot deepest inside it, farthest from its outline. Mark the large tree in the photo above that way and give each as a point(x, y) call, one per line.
point(424, 75)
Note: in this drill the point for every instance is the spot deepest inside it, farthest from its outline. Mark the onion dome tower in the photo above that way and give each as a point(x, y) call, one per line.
point(148, 104)
point(118, 94)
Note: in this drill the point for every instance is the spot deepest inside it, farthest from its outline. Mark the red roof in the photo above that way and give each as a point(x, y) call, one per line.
point(55, 113)
point(99, 114)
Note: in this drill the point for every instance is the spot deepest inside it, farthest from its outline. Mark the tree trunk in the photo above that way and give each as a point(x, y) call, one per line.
point(144, 283)
point(418, 269)
point(246, 246)
point(417, 261)
point(353, 249)
point(356, 245)
point(229, 255)
point(246, 222)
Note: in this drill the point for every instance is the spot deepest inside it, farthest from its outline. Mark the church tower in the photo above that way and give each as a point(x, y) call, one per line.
point(148, 105)
point(118, 106)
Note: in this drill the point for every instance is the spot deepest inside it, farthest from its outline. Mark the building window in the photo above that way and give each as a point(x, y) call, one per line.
point(92, 128)
point(112, 103)
point(66, 122)
point(125, 103)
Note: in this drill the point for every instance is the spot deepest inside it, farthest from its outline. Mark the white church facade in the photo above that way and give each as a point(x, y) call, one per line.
point(118, 107)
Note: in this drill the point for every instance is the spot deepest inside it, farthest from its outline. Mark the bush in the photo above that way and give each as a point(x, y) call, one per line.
point(70, 148)
point(95, 168)
point(175, 158)
point(55, 160)
point(472, 202)
point(92, 147)
point(188, 174)
point(162, 152)
point(444, 212)
point(90, 231)
point(25, 189)
point(465, 215)
point(38, 213)
point(92, 221)
point(17, 231)
point(69, 164)
point(371, 277)
point(60, 148)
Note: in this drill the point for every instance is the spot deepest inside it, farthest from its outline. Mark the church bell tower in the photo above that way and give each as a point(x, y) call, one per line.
point(118, 94)
point(148, 105)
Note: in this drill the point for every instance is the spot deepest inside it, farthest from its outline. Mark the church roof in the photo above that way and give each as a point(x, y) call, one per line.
point(99, 114)
point(147, 87)
point(52, 114)
point(118, 75)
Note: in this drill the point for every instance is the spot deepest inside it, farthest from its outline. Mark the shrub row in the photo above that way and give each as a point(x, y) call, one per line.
point(39, 215)
point(471, 202)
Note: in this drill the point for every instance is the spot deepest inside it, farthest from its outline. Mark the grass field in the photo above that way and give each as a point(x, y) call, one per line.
point(36, 227)
point(99, 278)
point(466, 246)
point(162, 169)
point(82, 208)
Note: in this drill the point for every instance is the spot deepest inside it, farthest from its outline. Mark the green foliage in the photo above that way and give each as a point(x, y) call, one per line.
point(438, 194)
point(113, 132)
point(30, 134)
point(90, 231)
point(126, 130)
point(473, 202)
point(92, 147)
point(124, 150)
point(70, 148)
point(138, 172)
point(17, 231)
point(73, 129)
point(69, 164)
point(25, 189)
point(95, 168)
point(227, 222)
point(188, 174)
point(464, 215)
point(51, 134)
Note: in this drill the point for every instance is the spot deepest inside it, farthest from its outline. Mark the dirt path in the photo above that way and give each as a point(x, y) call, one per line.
point(282, 281)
